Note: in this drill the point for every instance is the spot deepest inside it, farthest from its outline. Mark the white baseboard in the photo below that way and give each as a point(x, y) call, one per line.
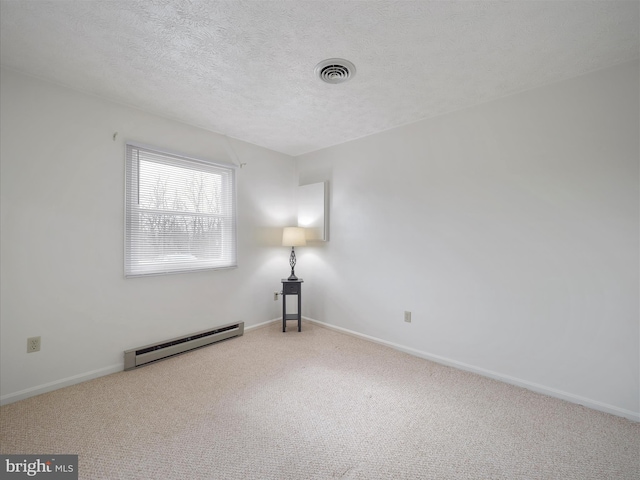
point(65, 382)
point(83, 377)
point(261, 325)
point(552, 392)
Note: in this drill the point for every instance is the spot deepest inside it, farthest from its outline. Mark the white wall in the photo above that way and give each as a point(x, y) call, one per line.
point(509, 230)
point(62, 238)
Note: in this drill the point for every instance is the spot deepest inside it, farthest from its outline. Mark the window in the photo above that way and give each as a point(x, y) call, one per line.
point(180, 213)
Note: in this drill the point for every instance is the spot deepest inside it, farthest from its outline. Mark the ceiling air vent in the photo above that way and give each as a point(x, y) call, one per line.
point(335, 70)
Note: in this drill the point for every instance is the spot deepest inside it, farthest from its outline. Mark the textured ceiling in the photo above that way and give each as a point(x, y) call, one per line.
point(245, 68)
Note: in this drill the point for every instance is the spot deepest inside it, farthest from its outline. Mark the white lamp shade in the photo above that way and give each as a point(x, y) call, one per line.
point(293, 237)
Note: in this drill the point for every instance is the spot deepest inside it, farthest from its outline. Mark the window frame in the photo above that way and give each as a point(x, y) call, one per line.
point(132, 211)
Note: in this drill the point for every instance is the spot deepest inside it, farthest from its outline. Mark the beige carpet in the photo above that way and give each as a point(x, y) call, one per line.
point(316, 405)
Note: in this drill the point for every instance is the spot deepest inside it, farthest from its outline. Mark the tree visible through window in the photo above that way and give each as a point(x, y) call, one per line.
point(180, 213)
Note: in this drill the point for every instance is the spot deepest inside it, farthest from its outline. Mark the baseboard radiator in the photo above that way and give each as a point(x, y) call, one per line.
point(138, 357)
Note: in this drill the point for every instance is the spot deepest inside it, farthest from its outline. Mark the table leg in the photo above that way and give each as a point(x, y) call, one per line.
point(284, 312)
point(300, 310)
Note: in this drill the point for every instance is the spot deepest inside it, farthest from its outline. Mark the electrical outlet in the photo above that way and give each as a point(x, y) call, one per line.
point(275, 296)
point(407, 317)
point(33, 344)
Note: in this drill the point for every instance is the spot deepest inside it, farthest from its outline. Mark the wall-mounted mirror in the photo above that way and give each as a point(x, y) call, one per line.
point(313, 210)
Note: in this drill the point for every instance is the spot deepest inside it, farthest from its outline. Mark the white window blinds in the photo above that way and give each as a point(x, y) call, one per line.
point(180, 213)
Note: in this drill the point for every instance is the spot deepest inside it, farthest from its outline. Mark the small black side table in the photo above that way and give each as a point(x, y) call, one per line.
point(291, 287)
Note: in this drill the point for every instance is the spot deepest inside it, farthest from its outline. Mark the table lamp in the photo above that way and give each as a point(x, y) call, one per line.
point(293, 237)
